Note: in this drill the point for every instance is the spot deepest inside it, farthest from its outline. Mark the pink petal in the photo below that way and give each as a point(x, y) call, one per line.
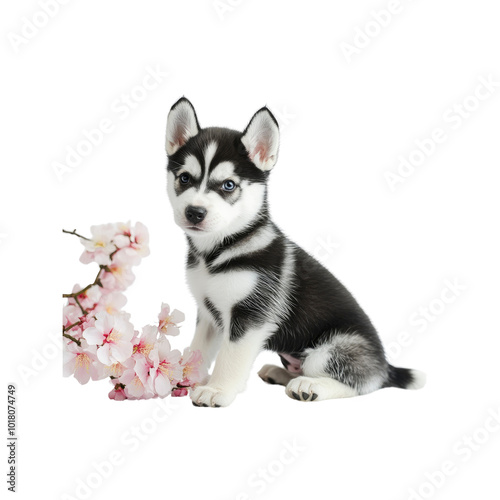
point(154, 357)
point(135, 388)
point(87, 257)
point(177, 316)
point(162, 386)
point(174, 357)
point(121, 351)
point(172, 330)
point(141, 232)
point(102, 258)
point(105, 322)
point(93, 336)
point(103, 355)
point(164, 311)
point(127, 377)
point(142, 368)
point(82, 372)
point(176, 393)
point(69, 366)
point(97, 372)
point(164, 349)
point(125, 328)
point(149, 333)
point(68, 356)
point(121, 241)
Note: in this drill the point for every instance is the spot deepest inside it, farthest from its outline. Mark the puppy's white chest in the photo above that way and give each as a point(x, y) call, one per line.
point(223, 289)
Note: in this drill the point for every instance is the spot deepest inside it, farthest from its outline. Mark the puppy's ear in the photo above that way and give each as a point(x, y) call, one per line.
point(261, 139)
point(182, 124)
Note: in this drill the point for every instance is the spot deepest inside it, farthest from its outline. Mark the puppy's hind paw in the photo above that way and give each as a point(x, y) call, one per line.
point(275, 375)
point(318, 389)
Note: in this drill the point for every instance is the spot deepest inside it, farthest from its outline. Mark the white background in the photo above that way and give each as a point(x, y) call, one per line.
point(344, 125)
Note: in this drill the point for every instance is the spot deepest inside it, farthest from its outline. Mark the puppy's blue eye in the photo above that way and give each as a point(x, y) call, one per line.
point(228, 186)
point(184, 178)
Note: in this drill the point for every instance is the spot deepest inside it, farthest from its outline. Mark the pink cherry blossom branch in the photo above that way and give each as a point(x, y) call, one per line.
point(101, 341)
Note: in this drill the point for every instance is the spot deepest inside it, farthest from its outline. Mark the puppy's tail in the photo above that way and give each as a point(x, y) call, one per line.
point(404, 378)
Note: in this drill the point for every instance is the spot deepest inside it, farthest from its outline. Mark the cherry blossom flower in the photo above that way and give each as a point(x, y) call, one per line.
point(168, 321)
point(111, 301)
point(71, 315)
point(144, 344)
point(142, 368)
point(116, 370)
point(88, 321)
point(193, 371)
point(123, 234)
point(118, 275)
point(124, 228)
point(166, 370)
point(88, 299)
point(81, 362)
point(112, 335)
point(139, 242)
point(117, 393)
point(180, 392)
point(100, 246)
point(137, 386)
point(133, 386)
point(134, 242)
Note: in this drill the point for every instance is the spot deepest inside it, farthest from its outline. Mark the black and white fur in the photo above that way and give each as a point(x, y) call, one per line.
point(255, 289)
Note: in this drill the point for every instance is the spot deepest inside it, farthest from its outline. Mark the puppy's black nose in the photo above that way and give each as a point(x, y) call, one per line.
point(195, 214)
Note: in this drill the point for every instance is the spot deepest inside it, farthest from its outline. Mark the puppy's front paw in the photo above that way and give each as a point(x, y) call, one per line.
point(205, 395)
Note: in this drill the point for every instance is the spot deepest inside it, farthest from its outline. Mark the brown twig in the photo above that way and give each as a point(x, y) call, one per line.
point(69, 327)
point(76, 234)
point(84, 312)
point(68, 336)
point(97, 282)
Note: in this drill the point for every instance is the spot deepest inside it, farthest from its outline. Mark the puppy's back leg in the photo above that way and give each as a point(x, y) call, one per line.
point(318, 388)
point(276, 375)
point(344, 365)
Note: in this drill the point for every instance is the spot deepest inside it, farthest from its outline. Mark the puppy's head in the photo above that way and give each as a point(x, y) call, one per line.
point(216, 176)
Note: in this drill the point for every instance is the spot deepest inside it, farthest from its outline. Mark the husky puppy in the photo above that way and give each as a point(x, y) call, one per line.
point(255, 289)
